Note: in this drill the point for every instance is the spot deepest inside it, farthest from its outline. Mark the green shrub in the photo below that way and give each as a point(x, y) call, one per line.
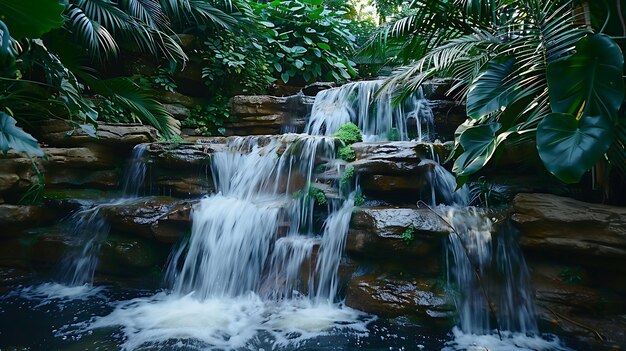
point(309, 42)
point(346, 153)
point(349, 133)
point(359, 199)
point(318, 195)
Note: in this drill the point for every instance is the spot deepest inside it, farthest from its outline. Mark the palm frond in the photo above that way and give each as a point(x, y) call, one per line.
point(91, 34)
point(146, 11)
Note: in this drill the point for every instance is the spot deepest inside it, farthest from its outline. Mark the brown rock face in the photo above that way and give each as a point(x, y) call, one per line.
point(55, 133)
point(376, 233)
point(572, 228)
point(393, 171)
point(389, 297)
point(162, 218)
point(265, 114)
point(13, 217)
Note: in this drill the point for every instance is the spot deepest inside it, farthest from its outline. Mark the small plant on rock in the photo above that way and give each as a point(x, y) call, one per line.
point(409, 234)
point(349, 133)
point(346, 153)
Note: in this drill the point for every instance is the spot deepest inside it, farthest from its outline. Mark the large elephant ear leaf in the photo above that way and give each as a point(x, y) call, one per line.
point(590, 80)
point(14, 137)
point(479, 144)
point(569, 146)
point(31, 18)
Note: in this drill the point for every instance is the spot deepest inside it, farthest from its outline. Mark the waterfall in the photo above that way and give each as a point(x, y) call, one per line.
point(257, 262)
point(489, 282)
point(374, 112)
point(88, 229)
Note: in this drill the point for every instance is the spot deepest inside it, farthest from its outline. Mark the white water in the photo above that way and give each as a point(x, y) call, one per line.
point(374, 113)
point(88, 228)
point(239, 280)
point(484, 271)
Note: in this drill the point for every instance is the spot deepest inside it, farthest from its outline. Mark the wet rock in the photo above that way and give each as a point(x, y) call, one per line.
point(394, 171)
point(79, 157)
point(313, 89)
point(256, 105)
point(586, 313)
point(439, 89)
point(16, 174)
point(570, 228)
point(83, 178)
point(389, 297)
point(161, 218)
point(179, 112)
point(376, 234)
point(448, 116)
point(120, 135)
point(171, 98)
point(257, 125)
point(122, 255)
point(180, 156)
point(14, 217)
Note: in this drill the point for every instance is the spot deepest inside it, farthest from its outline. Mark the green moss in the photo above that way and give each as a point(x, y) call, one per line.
point(359, 199)
point(349, 133)
point(346, 153)
point(347, 176)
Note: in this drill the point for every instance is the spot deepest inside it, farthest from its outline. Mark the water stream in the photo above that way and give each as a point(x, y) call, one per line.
point(88, 228)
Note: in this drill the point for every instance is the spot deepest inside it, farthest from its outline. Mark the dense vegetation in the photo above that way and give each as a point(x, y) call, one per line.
point(545, 73)
point(539, 72)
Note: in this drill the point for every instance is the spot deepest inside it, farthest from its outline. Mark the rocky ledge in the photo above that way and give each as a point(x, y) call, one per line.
point(593, 234)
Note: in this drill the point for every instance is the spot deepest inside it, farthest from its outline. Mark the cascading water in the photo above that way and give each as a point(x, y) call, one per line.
point(376, 114)
point(248, 247)
point(89, 229)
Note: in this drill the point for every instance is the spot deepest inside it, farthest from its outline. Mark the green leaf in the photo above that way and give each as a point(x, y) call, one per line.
point(14, 137)
point(568, 146)
point(31, 18)
point(285, 77)
point(493, 90)
point(590, 81)
point(278, 66)
point(323, 46)
point(479, 144)
point(267, 24)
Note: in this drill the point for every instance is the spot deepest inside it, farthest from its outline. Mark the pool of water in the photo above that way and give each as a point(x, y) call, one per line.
point(35, 315)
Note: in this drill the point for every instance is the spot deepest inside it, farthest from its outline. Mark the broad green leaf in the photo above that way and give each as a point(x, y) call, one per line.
point(494, 89)
point(298, 50)
point(285, 77)
point(14, 137)
point(568, 146)
point(278, 66)
point(31, 18)
point(592, 78)
point(479, 144)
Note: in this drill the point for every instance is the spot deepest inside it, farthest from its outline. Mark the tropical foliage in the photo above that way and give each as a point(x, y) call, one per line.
point(61, 59)
point(529, 72)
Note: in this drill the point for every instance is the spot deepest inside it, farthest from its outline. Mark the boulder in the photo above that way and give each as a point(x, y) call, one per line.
point(592, 234)
point(15, 217)
point(92, 157)
point(376, 233)
point(120, 135)
point(396, 171)
point(162, 218)
point(256, 105)
point(179, 112)
point(393, 297)
point(574, 308)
